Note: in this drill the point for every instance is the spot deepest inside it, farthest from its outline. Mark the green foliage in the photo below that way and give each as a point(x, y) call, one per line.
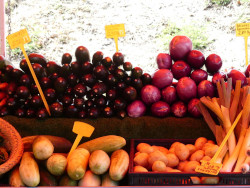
point(197, 33)
point(221, 2)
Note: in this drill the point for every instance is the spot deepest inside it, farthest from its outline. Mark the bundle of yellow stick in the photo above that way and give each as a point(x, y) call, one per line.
point(235, 156)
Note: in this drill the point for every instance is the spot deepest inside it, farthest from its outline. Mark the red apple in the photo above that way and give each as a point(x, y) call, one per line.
point(179, 47)
point(213, 63)
point(180, 69)
point(195, 59)
point(164, 61)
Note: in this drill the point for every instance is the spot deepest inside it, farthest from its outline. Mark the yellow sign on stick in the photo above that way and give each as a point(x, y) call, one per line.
point(243, 30)
point(81, 129)
point(17, 40)
point(211, 167)
point(115, 31)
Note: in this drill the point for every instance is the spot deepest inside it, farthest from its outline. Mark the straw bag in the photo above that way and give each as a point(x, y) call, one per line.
point(13, 143)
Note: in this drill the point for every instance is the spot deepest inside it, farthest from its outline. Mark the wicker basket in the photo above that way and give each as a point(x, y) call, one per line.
point(13, 143)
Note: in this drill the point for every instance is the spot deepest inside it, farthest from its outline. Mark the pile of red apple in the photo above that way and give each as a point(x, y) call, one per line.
point(196, 77)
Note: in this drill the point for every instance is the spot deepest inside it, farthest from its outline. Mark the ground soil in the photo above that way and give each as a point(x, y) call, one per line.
point(61, 26)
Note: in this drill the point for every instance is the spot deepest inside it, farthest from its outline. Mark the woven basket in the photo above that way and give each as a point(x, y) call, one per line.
point(13, 143)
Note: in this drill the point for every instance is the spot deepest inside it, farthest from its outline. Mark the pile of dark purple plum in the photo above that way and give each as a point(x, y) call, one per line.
point(110, 87)
point(79, 89)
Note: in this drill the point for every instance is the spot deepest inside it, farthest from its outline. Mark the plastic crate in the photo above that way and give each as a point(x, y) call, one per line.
point(173, 179)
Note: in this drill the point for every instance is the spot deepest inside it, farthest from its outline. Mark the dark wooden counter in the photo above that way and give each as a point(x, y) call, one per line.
point(142, 127)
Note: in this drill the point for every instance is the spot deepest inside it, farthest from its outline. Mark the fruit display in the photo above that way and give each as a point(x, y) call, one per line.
point(108, 87)
point(93, 163)
point(186, 83)
point(177, 158)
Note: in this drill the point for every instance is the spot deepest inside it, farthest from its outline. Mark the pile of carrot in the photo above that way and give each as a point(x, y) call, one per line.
point(220, 113)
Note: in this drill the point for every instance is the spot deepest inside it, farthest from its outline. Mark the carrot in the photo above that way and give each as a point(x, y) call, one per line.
point(228, 93)
point(243, 150)
point(220, 92)
point(235, 101)
point(246, 141)
point(227, 124)
point(212, 107)
point(207, 117)
point(225, 159)
point(228, 166)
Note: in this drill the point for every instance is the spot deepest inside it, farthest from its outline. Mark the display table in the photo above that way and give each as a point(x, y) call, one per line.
point(146, 127)
point(137, 128)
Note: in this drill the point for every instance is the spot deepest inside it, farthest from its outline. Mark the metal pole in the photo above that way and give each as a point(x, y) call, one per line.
point(2, 28)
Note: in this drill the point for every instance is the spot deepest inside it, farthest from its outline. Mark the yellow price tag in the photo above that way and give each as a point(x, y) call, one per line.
point(115, 31)
point(81, 129)
point(209, 167)
point(243, 30)
point(17, 40)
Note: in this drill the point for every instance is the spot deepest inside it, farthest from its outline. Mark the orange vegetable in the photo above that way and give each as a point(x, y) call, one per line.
point(199, 143)
point(197, 156)
point(181, 151)
point(191, 148)
point(142, 160)
point(140, 169)
point(159, 166)
point(157, 156)
point(190, 166)
point(172, 159)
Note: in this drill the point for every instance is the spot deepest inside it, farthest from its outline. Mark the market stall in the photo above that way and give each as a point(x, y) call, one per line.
point(100, 121)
